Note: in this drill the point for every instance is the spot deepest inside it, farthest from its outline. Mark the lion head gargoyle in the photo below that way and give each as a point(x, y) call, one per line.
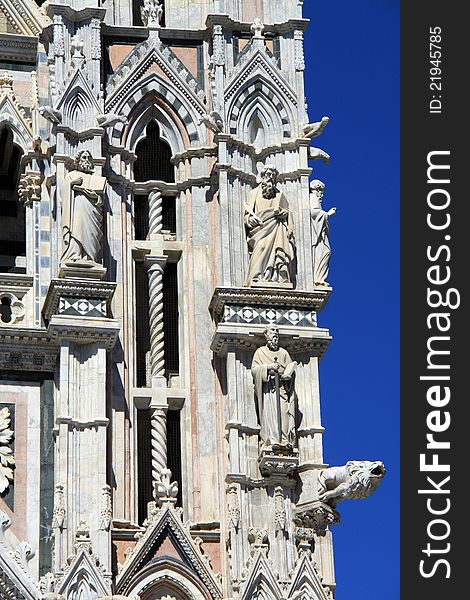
point(355, 480)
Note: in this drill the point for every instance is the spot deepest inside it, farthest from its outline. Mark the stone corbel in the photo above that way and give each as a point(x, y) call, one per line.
point(29, 188)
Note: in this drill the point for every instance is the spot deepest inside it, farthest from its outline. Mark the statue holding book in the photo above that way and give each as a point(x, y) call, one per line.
point(82, 200)
point(273, 376)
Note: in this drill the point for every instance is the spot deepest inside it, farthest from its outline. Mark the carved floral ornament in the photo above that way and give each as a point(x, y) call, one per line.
point(7, 459)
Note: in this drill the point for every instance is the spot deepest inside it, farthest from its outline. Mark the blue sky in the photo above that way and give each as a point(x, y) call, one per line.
point(352, 58)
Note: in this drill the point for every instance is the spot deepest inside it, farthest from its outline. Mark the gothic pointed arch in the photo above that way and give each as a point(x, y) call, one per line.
point(257, 78)
point(259, 123)
point(78, 104)
point(168, 577)
point(260, 98)
point(153, 157)
point(152, 107)
point(152, 68)
point(189, 563)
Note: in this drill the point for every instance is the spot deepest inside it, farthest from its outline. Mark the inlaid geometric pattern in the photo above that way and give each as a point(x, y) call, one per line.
point(83, 307)
point(269, 316)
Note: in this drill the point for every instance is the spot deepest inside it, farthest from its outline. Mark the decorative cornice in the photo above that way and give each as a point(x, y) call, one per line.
point(314, 300)
point(18, 47)
point(235, 25)
point(84, 330)
point(248, 337)
point(27, 350)
point(88, 12)
point(15, 282)
point(75, 288)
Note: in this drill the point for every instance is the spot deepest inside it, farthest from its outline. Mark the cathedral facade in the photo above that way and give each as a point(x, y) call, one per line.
point(163, 262)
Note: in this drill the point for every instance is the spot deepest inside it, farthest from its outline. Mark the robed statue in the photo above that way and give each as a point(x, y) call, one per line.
point(82, 201)
point(320, 233)
point(273, 376)
point(269, 228)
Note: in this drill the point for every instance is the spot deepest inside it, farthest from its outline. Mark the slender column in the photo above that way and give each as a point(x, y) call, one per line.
point(157, 342)
point(158, 407)
point(155, 213)
point(159, 454)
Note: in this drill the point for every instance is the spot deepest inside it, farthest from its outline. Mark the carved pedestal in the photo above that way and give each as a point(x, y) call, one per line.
point(76, 311)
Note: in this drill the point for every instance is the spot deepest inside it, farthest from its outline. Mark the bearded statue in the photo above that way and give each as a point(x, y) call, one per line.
point(269, 229)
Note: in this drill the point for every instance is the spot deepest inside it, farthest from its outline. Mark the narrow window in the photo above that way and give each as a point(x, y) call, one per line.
point(144, 456)
point(170, 319)
point(12, 214)
point(142, 325)
point(153, 157)
point(144, 462)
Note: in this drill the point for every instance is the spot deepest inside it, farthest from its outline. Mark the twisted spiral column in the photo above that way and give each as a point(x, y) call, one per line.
point(155, 212)
point(158, 441)
point(157, 342)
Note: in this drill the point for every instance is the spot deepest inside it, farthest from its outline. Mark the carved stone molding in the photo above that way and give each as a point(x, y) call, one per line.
point(27, 350)
point(317, 516)
point(277, 465)
point(233, 505)
point(18, 47)
point(84, 330)
point(26, 17)
point(106, 514)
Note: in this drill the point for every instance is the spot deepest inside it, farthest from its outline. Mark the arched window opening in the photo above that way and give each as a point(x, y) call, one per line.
point(153, 157)
point(5, 310)
point(12, 213)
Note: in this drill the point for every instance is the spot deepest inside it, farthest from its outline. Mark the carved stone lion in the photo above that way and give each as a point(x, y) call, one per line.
point(355, 480)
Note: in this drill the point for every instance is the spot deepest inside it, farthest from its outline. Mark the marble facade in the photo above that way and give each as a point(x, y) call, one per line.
point(107, 378)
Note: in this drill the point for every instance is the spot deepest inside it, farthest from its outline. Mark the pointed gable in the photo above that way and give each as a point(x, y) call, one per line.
point(167, 536)
point(306, 582)
point(153, 55)
point(261, 581)
point(83, 573)
point(78, 104)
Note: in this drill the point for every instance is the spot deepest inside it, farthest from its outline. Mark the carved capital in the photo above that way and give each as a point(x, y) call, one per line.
point(317, 517)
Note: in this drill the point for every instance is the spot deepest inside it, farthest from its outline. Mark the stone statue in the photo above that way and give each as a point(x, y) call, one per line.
point(151, 13)
point(273, 377)
point(270, 235)
point(82, 201)
point(355, 480)
point(320, 233)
